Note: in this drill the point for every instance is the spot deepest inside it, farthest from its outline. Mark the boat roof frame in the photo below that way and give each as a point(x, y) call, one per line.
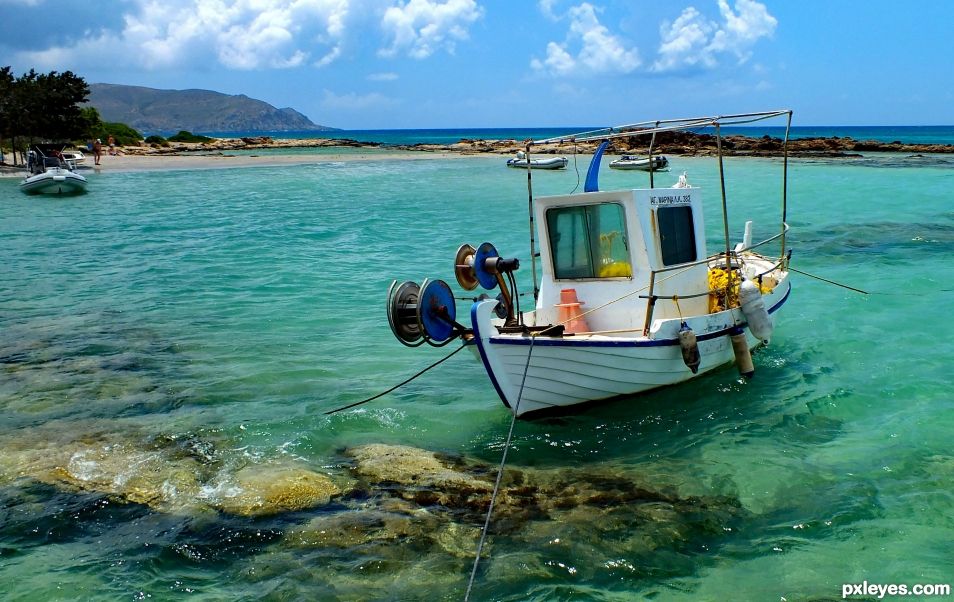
point(645, 128)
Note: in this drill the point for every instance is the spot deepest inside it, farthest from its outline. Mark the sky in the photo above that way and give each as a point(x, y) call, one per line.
point(396, 64)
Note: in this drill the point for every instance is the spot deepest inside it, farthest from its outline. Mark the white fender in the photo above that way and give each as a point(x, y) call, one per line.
point(753, 308)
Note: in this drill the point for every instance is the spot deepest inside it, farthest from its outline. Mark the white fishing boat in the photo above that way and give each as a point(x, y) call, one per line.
point(629, 298)
point(654, 163)
point(520, 161)
point(50, 173)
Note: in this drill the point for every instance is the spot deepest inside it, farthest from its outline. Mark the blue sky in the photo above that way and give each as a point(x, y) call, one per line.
point(367, 64)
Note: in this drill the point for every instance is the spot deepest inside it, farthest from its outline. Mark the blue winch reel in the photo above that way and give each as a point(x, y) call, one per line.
point(421, 314)
point(436, 311)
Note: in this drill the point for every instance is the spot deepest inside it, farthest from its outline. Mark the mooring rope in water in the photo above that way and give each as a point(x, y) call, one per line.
point(503, 463)
point(401, 384)
point(851, 288)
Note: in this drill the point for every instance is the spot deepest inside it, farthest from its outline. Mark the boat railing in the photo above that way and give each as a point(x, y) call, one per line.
point(651, 297)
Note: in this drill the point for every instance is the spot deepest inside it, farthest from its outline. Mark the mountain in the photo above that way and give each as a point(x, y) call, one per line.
point(152, 111)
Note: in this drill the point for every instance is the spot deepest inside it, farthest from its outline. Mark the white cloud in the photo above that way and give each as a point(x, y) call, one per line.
point(355, 102)
point(422, 27)
point(382, 77)
point(546, 7)
point(600, 51)
point(691, 40)
point(242, 34)
point(742, 30)
point(684, 42)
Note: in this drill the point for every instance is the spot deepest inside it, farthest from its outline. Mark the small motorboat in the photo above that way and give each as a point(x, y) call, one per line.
point(627, 297)
point(520, 161)
point(51, 173)
point(75, 155)
point(655, 163)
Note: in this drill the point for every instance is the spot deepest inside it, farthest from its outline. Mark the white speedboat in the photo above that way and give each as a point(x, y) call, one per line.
point(51, 174)
point(520, 161)
point(654, 163)
point(75, 155)
point(629, 296)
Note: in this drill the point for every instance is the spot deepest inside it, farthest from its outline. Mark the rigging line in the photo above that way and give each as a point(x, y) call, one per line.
point(851, 288)
point(503, 463)
point(576, 167)
point(629, 294)
point(401, 384)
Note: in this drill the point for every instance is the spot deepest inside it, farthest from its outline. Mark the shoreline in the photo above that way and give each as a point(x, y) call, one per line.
point(215, 154)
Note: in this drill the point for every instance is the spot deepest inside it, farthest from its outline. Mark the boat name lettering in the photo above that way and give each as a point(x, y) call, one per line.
point(670, 200)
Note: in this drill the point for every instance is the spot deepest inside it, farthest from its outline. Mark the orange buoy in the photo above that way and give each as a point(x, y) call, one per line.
point(570, 312)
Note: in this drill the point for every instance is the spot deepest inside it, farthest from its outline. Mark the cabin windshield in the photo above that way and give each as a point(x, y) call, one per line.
point(589, 241)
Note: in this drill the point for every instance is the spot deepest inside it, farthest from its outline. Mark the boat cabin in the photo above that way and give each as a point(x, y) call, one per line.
point(615, 244)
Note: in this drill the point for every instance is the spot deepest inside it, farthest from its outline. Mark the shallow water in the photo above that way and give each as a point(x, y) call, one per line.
point(168, 332)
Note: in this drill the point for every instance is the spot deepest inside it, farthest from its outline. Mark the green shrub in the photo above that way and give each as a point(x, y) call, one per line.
point(184, 136)
point(154, 139)
point(122, 133)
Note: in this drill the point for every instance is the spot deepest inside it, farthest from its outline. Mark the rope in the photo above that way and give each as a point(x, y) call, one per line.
point(503, 462)
point(618, 299)
point(851, 288)
point(675, 299)
point(401, 384)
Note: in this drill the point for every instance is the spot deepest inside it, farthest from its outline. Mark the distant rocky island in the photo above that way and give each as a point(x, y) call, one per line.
point(670, 143)
point(152, 111)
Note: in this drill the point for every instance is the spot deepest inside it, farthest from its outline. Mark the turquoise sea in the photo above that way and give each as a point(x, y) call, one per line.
point(171, 340)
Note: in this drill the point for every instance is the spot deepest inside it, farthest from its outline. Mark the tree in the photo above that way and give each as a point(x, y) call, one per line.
point(6, 97)
point(44, 106)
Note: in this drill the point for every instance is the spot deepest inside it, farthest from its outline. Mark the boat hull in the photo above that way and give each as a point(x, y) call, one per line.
point(548, 163)
point(657, 164)
point(535, 374)
point(54, 181)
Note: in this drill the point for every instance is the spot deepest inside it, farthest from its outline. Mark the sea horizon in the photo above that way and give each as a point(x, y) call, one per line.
point(906, 134)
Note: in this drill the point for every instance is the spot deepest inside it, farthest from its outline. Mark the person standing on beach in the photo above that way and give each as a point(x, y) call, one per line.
point(112, 145)
point(97, 150)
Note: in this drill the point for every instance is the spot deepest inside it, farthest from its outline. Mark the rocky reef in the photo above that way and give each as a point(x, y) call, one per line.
point(672, 143)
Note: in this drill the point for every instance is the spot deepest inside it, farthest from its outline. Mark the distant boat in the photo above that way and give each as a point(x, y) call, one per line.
point(656, 163)
point(74, 155)
point(520, 161)
point(50, 173)
point(630, 297)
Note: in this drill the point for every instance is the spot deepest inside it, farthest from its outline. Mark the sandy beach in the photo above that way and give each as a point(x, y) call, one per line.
point(128, 162)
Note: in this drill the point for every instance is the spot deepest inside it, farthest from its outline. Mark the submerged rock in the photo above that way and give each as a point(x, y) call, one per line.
point(168, 474)
point(263, 489)
point(411, 466)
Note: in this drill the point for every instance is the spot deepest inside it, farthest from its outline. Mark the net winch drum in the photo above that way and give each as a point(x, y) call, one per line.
point(422, 314)
point(402, 312)
point(464, 267)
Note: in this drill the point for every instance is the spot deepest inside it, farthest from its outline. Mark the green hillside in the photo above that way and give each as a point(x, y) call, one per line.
point(167, 111)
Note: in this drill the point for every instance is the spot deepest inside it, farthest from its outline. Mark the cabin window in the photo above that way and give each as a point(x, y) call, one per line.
point(677, 237)
point(589, 241)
